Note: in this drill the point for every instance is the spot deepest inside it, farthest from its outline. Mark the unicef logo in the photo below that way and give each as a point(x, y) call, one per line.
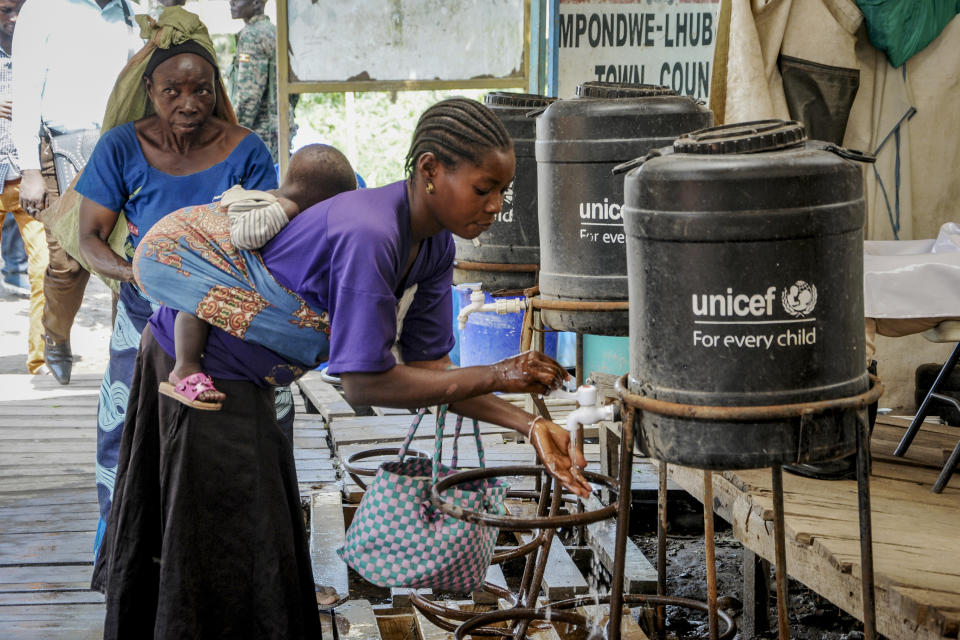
point(799, 299)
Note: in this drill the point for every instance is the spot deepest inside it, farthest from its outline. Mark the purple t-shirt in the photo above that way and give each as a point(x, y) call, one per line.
point(346, 256)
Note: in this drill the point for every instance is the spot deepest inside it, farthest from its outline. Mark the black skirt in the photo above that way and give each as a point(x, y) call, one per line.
point(206, 537)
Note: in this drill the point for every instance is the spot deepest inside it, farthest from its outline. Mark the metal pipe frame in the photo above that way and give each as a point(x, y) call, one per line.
point(356, 471)
point(746, 413)
point(557, 612)
point(523, 615)
point(495, 267)
point(529, 566)
point(636, 402)
point(624, 496)
point(512, 523)
point(528, 597)
point(868, 588)
point(780, 551)
point(924, 407)
point(536, 301)
point(438, 614)
point(728, 631)
point(537, 550)
point(662, 548)
point(579, 305)
point(546, 522)
point(710, 557)
point(441, 616)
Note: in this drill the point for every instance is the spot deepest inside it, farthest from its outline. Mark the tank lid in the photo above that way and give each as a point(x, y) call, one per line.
point(516, 100)
point(742, 137)
point(621, 90)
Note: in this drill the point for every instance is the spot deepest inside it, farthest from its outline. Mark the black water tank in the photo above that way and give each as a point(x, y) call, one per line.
point(745, 259)
point(514, 239)
point(579, 141)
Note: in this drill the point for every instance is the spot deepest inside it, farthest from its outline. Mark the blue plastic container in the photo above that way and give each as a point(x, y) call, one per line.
point(455, 352)
point(607, 354)
point(566, 349)
point(488, 337)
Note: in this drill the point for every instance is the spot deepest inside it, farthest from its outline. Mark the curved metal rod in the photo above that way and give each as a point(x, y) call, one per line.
point(579, 305)
point(350, 466)
point(532, 560)
point(495, 267)
point(441, 616)
point(528, 597)
point(510, 523)
point(549, 615)
point(539, 535)
point(624, 502)
point(349, 463)
point(729, 629)
point(521, 550)
point(528, 494)
point(746, 413)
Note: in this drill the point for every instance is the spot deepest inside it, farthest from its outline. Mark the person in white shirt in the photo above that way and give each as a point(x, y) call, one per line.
point(67, 55)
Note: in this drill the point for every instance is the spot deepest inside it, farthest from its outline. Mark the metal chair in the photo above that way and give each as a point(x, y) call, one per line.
point(946, 331)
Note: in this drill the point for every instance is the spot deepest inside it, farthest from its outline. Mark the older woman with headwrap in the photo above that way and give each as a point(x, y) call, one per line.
point(170, 140)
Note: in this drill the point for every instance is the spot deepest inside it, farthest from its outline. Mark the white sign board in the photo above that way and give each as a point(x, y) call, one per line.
point(662, 42)
point(387, 40)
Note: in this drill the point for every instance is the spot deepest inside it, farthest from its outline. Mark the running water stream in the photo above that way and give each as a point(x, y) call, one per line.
point(595, 616)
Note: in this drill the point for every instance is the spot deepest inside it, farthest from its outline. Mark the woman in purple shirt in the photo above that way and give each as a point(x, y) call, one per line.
point(214, 494)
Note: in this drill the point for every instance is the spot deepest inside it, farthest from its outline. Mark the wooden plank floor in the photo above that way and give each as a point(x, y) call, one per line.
point(48, 508)
point(915, 532)
point(48, 503)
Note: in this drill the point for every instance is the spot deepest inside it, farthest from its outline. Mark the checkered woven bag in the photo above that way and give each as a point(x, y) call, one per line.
point(399, 539)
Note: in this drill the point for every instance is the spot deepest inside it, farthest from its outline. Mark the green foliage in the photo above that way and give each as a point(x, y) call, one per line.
point(373, 129)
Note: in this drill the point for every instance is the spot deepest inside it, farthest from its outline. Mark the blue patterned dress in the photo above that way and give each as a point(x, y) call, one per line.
point(119, 178)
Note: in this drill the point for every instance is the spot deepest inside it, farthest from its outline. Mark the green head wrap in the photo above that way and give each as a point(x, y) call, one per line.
point(128, 100)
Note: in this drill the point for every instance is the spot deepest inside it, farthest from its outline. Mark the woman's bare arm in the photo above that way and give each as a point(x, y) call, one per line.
point(469, 392)
point(96, 225)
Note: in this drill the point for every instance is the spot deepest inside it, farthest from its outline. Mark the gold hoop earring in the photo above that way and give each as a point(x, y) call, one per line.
point(430, 187)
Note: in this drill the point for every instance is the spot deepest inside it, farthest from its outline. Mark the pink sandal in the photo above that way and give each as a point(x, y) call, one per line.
point(188, 389)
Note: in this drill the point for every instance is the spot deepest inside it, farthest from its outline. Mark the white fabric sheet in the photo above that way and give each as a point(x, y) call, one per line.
point(913, 278)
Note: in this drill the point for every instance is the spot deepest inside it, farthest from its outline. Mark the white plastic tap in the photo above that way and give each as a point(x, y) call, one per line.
point(588, 411)
point(500, 306)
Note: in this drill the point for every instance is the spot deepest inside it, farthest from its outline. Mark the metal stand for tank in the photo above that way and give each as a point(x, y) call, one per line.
point(495, 267)
point(536, 550)
point(358, 472)
point(533, 324)
point(635, 403)
point(531, 333)
point(545, 524)
point(526, 609)
point(532, 337)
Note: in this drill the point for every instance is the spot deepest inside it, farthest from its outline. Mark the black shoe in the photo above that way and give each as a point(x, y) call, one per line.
point(58, 358)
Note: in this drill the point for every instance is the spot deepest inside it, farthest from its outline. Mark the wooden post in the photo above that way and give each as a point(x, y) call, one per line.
point(756, 595)
point(609, 455)
point(283, 87)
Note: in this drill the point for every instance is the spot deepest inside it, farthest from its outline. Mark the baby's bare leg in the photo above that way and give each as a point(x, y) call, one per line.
point(190, 335)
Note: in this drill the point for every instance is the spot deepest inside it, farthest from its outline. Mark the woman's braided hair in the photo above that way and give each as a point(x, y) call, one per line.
point(454, 129)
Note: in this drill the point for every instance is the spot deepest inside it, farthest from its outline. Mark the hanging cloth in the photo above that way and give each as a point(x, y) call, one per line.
point(901, 29)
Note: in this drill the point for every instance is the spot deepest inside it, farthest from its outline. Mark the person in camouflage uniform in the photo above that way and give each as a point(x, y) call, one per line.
point(253, 74)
